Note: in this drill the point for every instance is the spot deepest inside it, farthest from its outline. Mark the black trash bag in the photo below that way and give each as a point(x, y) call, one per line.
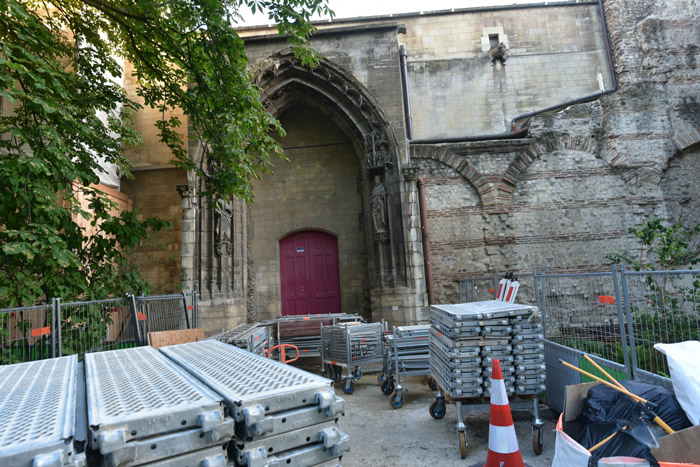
point(624, 443)
point(604, 404)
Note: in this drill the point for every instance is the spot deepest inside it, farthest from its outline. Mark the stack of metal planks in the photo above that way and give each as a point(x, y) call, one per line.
point(38, 419)
point(145, 410)
point(466, 338)
point(409, 344)
point(353, 344)
point(283, 415)
point(304, 331)
point(255, 337)
point(528, 356)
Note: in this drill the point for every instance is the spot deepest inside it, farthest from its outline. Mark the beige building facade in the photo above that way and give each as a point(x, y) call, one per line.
point(541, 133)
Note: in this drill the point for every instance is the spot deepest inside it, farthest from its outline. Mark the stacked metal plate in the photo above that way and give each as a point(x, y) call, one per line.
point(144, 409)
point(283, 415)
point(353, 344)
point(304, 331)
point(409, 344)
point(38, 413)
point(528, 355)
point(465, 340)
point(255, 337)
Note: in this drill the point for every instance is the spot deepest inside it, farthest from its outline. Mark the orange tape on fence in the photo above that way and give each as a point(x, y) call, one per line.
point(609, 299)
point(36, 332)
point(140, 316)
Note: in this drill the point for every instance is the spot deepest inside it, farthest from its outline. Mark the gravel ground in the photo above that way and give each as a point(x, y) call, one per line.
point(381, 436)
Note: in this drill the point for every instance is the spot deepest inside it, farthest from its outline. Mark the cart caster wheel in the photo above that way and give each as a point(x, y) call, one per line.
point(462, 444)
point(396, 400)
point(388, 386)
point(381, 378)
point(432, 384)
point(437, 409)
point(537, 440)
point(348, 388)
point(357, 374)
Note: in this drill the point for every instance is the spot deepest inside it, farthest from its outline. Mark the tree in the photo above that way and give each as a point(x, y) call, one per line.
point(55, 62)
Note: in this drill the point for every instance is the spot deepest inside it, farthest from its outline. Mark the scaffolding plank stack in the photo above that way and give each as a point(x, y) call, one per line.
point(38, 413)
point(255, 337)
point(304, 331)
point(348, 347)
point(466, 338)
point(283, 415)
point(145, 410)
point(407, 353)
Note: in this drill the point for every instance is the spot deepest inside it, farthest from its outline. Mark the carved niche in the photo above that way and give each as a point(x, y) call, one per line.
point(378, 153)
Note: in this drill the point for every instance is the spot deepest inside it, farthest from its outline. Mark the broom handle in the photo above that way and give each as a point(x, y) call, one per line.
point(636, 398)
point(616, 382)
point(593, 448)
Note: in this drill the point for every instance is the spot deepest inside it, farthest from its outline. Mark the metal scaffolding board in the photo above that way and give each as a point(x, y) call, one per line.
point(137, 452)
point(274, 445)
point(309, 455)
point(211, 457)
point(486, 310)
point(255, 387)
point(37, 412)
point(137, 393)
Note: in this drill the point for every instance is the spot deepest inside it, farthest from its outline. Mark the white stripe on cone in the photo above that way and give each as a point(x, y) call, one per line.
point(502, 439)
point(498, 392)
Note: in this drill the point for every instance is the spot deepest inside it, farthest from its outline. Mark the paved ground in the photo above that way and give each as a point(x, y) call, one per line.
point(384, 437)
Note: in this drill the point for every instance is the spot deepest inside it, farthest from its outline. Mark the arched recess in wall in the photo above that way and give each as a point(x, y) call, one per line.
point(458, 163)
point(339, 96)
point(678, 185)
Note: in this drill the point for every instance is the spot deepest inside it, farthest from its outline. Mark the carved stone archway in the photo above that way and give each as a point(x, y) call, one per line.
point(341, 97)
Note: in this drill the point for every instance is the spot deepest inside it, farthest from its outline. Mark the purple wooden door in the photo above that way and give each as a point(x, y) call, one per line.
point(310, 273)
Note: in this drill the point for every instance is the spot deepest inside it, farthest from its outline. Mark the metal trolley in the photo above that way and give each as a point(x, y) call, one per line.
point(349, 347)
point(465, 405)
point(465, 340)
point(406, 354)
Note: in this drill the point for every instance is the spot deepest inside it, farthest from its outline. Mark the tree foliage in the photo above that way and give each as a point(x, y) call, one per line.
point(55, 65)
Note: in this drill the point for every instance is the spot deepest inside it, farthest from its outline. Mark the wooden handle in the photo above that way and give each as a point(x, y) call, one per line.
point(635, 397)
point(616, 382)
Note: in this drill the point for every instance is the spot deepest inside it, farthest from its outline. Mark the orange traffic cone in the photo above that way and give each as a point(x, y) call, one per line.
point(503, 444)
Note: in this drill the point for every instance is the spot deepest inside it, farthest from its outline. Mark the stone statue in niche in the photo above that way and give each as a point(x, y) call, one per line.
point(379, 209)
point(223, 214)
point(498, 52)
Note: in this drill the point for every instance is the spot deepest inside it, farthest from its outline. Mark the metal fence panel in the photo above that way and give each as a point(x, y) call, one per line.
point(94, 326)
point(581, 312)
point(164, 312)
point(662, 306)
point(27, 334)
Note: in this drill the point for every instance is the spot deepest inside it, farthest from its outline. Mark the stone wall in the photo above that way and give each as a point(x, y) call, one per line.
point(317, 188)
point(153, 194)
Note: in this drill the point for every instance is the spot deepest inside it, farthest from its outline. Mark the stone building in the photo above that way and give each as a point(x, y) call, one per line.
point(539, 135)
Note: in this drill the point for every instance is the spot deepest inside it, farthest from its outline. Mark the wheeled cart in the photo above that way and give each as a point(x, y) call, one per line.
point(406, 354)
point(465, 405)
point(345, 348)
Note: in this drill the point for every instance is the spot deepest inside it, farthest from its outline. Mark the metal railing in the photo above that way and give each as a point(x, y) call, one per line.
point(57, 329)
point(615, 317)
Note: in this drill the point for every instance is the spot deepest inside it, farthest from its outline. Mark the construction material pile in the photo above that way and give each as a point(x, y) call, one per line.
point(143, 408)
point(465, 339)
point(304, 331)
point(255, 337)
point(282, 415)
point(408, 350)
point(38, 423)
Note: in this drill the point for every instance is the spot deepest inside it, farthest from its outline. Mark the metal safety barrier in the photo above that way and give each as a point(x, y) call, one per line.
point(67, 328)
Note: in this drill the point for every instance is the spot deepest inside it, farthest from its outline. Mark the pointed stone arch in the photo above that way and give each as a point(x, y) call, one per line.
point(284, 81)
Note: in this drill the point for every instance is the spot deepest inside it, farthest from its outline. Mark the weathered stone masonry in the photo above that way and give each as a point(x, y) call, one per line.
point(560, 194)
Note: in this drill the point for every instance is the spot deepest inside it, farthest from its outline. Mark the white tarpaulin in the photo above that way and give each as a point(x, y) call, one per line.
point(684, 362)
